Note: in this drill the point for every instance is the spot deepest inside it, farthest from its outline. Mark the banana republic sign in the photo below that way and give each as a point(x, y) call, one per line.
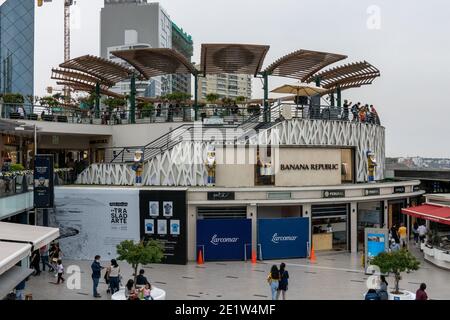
point(308, 167)
point(299, 167)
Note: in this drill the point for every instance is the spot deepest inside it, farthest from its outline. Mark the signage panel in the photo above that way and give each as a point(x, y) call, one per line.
point(283, 238)
point(43, 182)
point(334, 194)
point(224, 239)
point(163, 217)
point(376, 241)
point(372, 192)
point(399, 189)
point(217, 196)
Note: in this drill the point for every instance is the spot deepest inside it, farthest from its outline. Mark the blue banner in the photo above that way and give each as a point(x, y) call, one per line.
point(283, 238)
point(376, 244)
point(224, 239)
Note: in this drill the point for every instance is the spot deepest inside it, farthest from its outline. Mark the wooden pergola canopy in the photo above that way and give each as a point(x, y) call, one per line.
point(85, 87)
point(153, 62)
point(69, 75)
point(232, 58)
point(302, 64)
point(108, 72)
point(348, 76)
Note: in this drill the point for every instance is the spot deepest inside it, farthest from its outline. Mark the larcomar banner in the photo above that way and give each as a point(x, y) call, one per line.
point(224, 239)
point(283, 238)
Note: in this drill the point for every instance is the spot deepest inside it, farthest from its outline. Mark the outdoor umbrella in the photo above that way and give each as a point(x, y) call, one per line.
point(300, 89)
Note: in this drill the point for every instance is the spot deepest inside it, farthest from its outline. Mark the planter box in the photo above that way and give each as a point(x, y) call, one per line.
point(48, 118)
point(405, 296)
point(96, 121)
point(62, 119)
point(33, 117)
point(14, 115)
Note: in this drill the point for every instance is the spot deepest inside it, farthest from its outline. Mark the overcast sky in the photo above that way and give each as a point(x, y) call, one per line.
point(408, 43)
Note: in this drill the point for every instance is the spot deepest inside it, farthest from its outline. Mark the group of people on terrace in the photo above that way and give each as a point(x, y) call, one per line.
point(361, 113)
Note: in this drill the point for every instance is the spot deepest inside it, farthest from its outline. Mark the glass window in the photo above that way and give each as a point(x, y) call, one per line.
point(370, 215)
point(348, 166)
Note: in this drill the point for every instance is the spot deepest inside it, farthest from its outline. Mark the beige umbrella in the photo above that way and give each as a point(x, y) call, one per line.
point(301, 89)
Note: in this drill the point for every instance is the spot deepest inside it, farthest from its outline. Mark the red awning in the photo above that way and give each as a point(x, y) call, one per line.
point(430, 212)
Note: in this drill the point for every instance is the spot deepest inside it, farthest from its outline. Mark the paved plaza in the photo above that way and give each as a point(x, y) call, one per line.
point(335, 276)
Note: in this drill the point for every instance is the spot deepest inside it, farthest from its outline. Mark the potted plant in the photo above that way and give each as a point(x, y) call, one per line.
point(142, 253)
point(13, 101)
point(397, 262)
point(253, 109)
point(113, 105)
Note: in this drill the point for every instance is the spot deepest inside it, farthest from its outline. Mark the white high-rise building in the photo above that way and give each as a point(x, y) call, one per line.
point(128, 24)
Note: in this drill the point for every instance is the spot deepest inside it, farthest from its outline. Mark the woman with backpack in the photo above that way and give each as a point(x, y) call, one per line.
point(274, 281)
point(284, 282)
point(383, 291)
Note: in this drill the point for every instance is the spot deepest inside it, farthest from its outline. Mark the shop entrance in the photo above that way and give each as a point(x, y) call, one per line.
point(395, 216)
point(370, 215)
point(329, 224)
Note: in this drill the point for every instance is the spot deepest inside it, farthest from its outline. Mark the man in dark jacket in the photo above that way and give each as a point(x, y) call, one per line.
point(96, 274)
point(141, 280)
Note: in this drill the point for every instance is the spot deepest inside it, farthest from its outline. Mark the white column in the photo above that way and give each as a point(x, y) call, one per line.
point(354, 227)
point(307, 214)
point(252, 213)
point(386, 214)
point(192, 232)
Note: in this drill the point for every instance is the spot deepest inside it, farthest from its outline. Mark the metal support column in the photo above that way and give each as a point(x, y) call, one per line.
point(339, 97)
point(196, 96)
point(133, 99)
point(332, 101)
point(266, 97)
point(97, 100)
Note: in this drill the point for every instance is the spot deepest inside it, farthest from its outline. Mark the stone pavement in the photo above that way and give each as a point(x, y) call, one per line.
point(335, 276)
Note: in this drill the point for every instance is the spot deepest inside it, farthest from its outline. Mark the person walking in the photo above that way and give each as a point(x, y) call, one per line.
point(422, 232)
point(60, 270)
point(20, 288)
point(394, 233)
point(415, 232)
point(96, 275)
point(420, 293)
point(284, 282)
point(274, 281)
point(44, 259)
point(35, 262)
point(55, 255)
point(403, 233)
point(383, 291)
point(113, 273)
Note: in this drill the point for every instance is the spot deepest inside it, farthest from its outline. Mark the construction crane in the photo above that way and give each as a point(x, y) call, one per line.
point(67, 5)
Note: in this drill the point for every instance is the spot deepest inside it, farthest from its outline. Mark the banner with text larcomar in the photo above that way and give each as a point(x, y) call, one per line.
point(43, 182)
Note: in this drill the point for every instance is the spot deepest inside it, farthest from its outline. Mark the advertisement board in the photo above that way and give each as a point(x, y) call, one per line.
point(224, 239)
point(283, 238)
point(376, 242)
point(95, 220)
point(43, 182)
point(163, 216)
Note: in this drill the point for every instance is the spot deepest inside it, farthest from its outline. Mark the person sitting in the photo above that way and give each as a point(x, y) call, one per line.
point(394, 246)
point(146, 292)
point(130, 292)
point(141, 280)
point(372, 295)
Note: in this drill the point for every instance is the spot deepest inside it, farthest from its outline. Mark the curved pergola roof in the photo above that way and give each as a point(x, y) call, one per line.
point(302, 64)
point(344, 73)
point(85, 87)
point(352, 75)
point(107, 71)
point(153, 62)
point(69, 75)
point(232, 58)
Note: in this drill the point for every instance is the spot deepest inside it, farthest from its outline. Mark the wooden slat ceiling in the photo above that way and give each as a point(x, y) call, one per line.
point(302, 64)
point(153, 62)
point(232, 58)
point(107, 71)
point(81, 86)
point(348, 73)
point(69, 75)
point(354, 82)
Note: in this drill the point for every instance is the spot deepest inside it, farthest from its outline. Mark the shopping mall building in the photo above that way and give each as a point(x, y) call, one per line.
point(274, 182)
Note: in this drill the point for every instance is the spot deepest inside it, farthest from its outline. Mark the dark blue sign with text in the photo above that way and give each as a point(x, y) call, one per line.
point(283, 238)
point(43, 182)
point(224, 239)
